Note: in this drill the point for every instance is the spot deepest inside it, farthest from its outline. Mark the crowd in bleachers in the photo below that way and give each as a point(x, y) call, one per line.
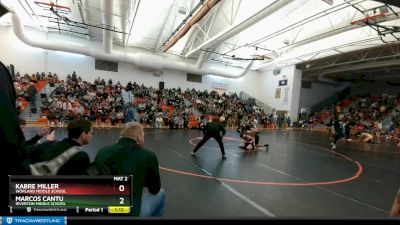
point(26, 87)
point(114, 104)
point(76, 99)
point(228, 106)
point(377, 115)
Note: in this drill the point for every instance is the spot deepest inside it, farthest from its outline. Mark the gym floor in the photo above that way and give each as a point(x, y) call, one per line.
point(298, 177)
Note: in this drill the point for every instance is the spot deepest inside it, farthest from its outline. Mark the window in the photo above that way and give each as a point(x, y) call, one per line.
point(276, 72)
point(194, 78)
point(106, 65)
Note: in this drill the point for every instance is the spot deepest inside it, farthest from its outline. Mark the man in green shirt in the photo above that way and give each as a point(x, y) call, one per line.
point(128, 157)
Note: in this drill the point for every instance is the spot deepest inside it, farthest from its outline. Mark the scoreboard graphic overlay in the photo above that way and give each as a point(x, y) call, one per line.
point(70, 195)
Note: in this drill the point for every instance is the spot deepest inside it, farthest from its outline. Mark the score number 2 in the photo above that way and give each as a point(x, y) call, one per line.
point(121, 200)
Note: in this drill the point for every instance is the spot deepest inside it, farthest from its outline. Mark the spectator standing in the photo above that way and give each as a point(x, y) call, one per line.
point(128, 156)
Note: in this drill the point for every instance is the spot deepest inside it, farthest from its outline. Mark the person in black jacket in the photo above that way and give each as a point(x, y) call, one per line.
point(342, 130)
point(32, 95)
point(129, 157)
point(79, 134)
point(214, 130)
point(14, 160)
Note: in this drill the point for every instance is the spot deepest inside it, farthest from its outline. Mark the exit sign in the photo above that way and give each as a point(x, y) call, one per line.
point(282, 82)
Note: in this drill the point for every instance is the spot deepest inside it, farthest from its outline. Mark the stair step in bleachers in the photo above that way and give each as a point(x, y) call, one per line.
point(193, 123)
point(25, 112)
point(35, 123)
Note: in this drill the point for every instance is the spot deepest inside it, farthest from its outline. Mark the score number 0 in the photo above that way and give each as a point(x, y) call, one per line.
point(121, 188)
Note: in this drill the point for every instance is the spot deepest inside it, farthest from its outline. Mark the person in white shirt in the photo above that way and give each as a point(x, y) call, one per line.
point(158, 122)
point(66, 105)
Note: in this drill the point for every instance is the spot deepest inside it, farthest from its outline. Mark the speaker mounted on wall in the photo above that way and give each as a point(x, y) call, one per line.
point(12, 71)
point(161, 85)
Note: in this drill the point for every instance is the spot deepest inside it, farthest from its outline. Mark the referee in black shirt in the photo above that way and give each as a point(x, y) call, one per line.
point(214, 130)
